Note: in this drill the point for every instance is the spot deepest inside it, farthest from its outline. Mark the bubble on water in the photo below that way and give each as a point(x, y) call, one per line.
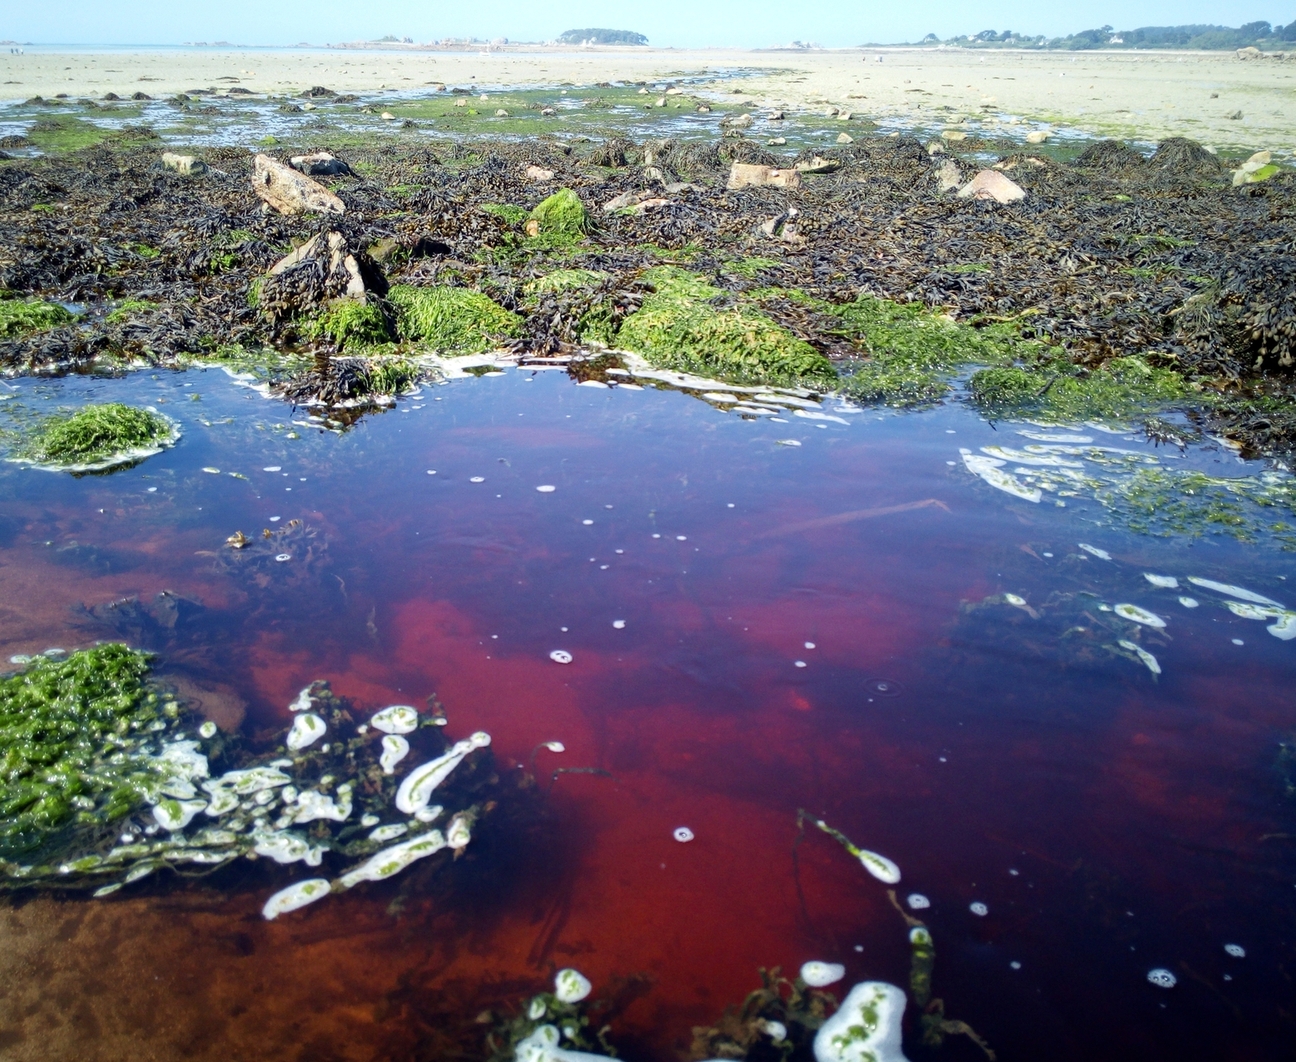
point(883, 688)
point(560, 656)
point(554, 746)
point(207, 730)
point(477, 479)
point(799, 663)
point(788, 442)
point(1162, 978)
point(432, 471)
point(979, 909)
point(546, 488)
point(152, 490)
point(587, 523)
point(272, 468)
point(822, 974)
point(1238, 641)
point(1189, 602)
point(1139, 615)
point(1094, 551)
point(570, 986)
point(656, 536)
point(619, 624)
point(917, 901)
point(275, 519)
point(681, 538)
point(1015, 965)
point(282, 557)
point(1236, 950)
point(682, 834)
point(809, 645)
point(1165, 582)
point(212, 471)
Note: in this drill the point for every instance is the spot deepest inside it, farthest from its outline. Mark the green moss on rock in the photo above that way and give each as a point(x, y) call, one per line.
point(95, 436)
point(62, 725)
point(18, 317)
point(678, 328)
point(565, 280)
point(452, 320)
point(561, 217)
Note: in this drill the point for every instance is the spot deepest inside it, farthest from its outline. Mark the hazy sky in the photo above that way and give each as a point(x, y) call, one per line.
point(680, 23)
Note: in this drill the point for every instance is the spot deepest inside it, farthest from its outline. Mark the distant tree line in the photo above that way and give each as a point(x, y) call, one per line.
point(1253, 34)
point(601, 36)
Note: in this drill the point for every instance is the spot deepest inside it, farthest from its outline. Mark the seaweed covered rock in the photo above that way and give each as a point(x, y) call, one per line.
point(1245, 320)
point(1122, 387)
point(452, 320)
point(568, 308)
point(325, 268)
point(689, 325)
point(561, 217)
point(95, 438)
point(356, 383)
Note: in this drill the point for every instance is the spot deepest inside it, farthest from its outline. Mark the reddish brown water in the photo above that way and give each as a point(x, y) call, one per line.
point(1111, 824)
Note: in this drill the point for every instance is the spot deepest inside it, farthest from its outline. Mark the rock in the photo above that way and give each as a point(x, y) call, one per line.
point(819, 165)
point(777, 116)
point(307, 107)
point(741, 121)
point(783, 227)
point(290, 192)
point(539, 173)
point(776, 141)
point(319, 164)
point(661, 102)
point(387, 116)
point(844, 116)
point(702, 108)
point(750, 175)
point(501, 113)
point(548, 112)
point(141, 97)
point(318, 92)
point(638, 202)
point(1037, 136)
point(990, 184)
point(953, 135)
point(1259, 167)
point(1236, 116)
point(186, 165)
point(949, 176)
point(438, 87)
point(673, 91)
point(935, 147)
point(845, 138)
point(1250, 53)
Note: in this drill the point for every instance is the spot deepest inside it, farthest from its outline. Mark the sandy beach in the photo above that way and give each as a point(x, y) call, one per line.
point(1142, 96)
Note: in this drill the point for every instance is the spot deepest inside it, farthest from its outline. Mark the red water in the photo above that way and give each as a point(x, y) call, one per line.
point(1139, 817)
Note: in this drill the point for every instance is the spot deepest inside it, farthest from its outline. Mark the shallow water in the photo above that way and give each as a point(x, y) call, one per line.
point(1112, 822)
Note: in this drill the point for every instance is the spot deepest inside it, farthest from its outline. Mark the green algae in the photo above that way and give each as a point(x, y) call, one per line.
point(23, 316)
point(680, 327)
point(513, 215)
point(561, 218)
point(1122, 387)
point(350, 322)
point(128, 310)
point(61, 725)
point(95, 436)
point(451, 320)
point(565, 280)
point(392, 376)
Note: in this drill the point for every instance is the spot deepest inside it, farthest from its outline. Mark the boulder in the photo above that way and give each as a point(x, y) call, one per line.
point(818, 165)
point(1250, 53)
point(845, 138)
point(319, 164)
point(638, 202)
point(290, 192)
point(1259, 167)
point(949, 176)
point(750, 175)
point(741, 121)
point(990, 184)
point(776, 141)
point(784, 228)
point(186, 165)
point(1037, 136)
point(953, 135)
point(323, 268)
point(538, 173)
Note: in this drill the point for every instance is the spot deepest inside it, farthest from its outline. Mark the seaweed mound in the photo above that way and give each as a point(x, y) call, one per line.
point(687, 324)
point(1111, 158)
point(1186, 159)
point(560, 217)
point(451, 320)
point(97, 437)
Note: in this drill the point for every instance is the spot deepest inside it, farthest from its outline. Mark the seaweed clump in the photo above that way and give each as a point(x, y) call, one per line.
point(348, 322)
point(775, 1023)
point(689, 325)
point(1120, 388)
point(452, 320)
point(96, 436)
point(561, 218)
point(20, 317)
point(64, 726)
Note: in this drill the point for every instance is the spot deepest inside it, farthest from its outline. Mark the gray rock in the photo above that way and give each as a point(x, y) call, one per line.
point(948, 176)
point(289, 192)
point(185, 165)
point(991, 184)
point(319, 164)
point(750, 175)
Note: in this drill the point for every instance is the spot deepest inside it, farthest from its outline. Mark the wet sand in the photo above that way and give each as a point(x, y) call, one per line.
point(1144, 96)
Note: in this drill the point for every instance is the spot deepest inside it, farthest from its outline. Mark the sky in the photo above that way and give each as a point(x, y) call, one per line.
point(667, 23)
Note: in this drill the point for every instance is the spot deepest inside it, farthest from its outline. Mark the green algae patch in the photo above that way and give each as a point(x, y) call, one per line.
point(513, 215)
point(392, 376)
point(1123, 387)
point(680, 327)
point(451, 320)
point(62, 730)
point(561, 218)
point(565, 280)
point(19, 317)
point(95, 437)
point(913, 350)
point(349, 322)
point(128, 310)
